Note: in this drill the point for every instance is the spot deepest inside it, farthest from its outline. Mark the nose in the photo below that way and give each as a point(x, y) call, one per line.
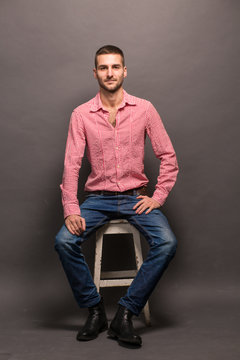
point(109, 72)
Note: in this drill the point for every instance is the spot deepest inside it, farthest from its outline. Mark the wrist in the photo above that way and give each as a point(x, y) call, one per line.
point(157, 201)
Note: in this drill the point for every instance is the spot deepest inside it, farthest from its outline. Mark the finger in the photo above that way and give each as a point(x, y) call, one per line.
point(70, 228)
point(140, 196)
point(83, 224)
point(78, 223)
point(141, 208)
point(138, 204)
point(146, 204)
point(76, 227)
point(149, 210)
point(77, 232)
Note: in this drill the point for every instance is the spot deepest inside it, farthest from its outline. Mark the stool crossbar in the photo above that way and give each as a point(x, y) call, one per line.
point(118, 278)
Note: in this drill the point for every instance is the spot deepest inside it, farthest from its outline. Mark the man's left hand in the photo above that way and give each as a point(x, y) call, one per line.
point(146, 203)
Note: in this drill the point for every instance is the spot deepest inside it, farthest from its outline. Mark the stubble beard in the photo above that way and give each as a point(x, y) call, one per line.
point(111, 90)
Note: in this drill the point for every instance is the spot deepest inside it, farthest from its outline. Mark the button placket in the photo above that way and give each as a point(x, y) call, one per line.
point(117, 155)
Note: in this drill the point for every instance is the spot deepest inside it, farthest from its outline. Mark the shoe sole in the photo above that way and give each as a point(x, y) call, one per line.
point(93, 337)
point(113, 335)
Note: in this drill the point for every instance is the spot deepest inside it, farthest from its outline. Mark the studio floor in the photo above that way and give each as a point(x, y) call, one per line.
point(197, 324)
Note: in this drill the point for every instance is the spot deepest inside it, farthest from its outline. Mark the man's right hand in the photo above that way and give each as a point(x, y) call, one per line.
point(75, 224)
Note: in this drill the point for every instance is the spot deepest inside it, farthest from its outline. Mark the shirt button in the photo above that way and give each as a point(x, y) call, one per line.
point(118, 166)
point(117, 147)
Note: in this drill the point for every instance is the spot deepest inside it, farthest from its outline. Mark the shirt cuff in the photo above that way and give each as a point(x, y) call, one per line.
point(71, 210)
point(159, 197)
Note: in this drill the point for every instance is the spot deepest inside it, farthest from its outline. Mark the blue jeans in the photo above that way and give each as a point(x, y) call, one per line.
point(98, 210)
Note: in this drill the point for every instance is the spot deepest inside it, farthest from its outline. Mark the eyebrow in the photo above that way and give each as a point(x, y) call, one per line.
point(102, 65)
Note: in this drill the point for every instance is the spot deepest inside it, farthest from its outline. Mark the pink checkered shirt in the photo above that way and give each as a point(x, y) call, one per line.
point(116, 154)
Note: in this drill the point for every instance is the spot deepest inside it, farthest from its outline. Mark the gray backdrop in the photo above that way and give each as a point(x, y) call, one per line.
point(183, 56)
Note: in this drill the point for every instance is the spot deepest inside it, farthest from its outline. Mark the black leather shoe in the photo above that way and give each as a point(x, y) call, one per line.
point(121, 328)
point(96, 323)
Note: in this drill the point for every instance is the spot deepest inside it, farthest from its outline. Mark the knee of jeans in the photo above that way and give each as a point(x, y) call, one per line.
point(62, 239)
point(168, 244)
point(58, 242)
point(171, 244)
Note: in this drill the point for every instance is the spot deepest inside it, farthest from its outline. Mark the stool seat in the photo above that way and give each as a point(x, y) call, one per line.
point(118, 278)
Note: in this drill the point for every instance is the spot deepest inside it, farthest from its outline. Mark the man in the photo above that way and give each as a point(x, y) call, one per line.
point(113, 126)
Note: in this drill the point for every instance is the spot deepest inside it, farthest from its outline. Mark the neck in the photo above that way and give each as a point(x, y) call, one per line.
point(111, 100)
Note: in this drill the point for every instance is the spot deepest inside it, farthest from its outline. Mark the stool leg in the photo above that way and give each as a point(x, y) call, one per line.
point(98, 258)
point(139, 261)
point(137, 248)
point(146, 312)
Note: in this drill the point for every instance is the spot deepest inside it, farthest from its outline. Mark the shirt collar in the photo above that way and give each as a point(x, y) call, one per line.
point(97, 103)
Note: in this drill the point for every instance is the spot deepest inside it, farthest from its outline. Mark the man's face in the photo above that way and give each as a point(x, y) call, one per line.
point(110, 72)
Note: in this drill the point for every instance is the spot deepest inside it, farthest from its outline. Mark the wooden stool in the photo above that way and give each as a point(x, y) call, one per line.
point(118, 278)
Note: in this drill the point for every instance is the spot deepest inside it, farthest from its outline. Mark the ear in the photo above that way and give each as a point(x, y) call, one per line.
point(95, 73)
point(125, 71)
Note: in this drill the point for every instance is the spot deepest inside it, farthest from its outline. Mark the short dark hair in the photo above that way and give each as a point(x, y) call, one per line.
point(109, 49)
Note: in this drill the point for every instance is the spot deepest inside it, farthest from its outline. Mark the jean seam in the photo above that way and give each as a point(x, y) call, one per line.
point(143, 232)
point(97, 226)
